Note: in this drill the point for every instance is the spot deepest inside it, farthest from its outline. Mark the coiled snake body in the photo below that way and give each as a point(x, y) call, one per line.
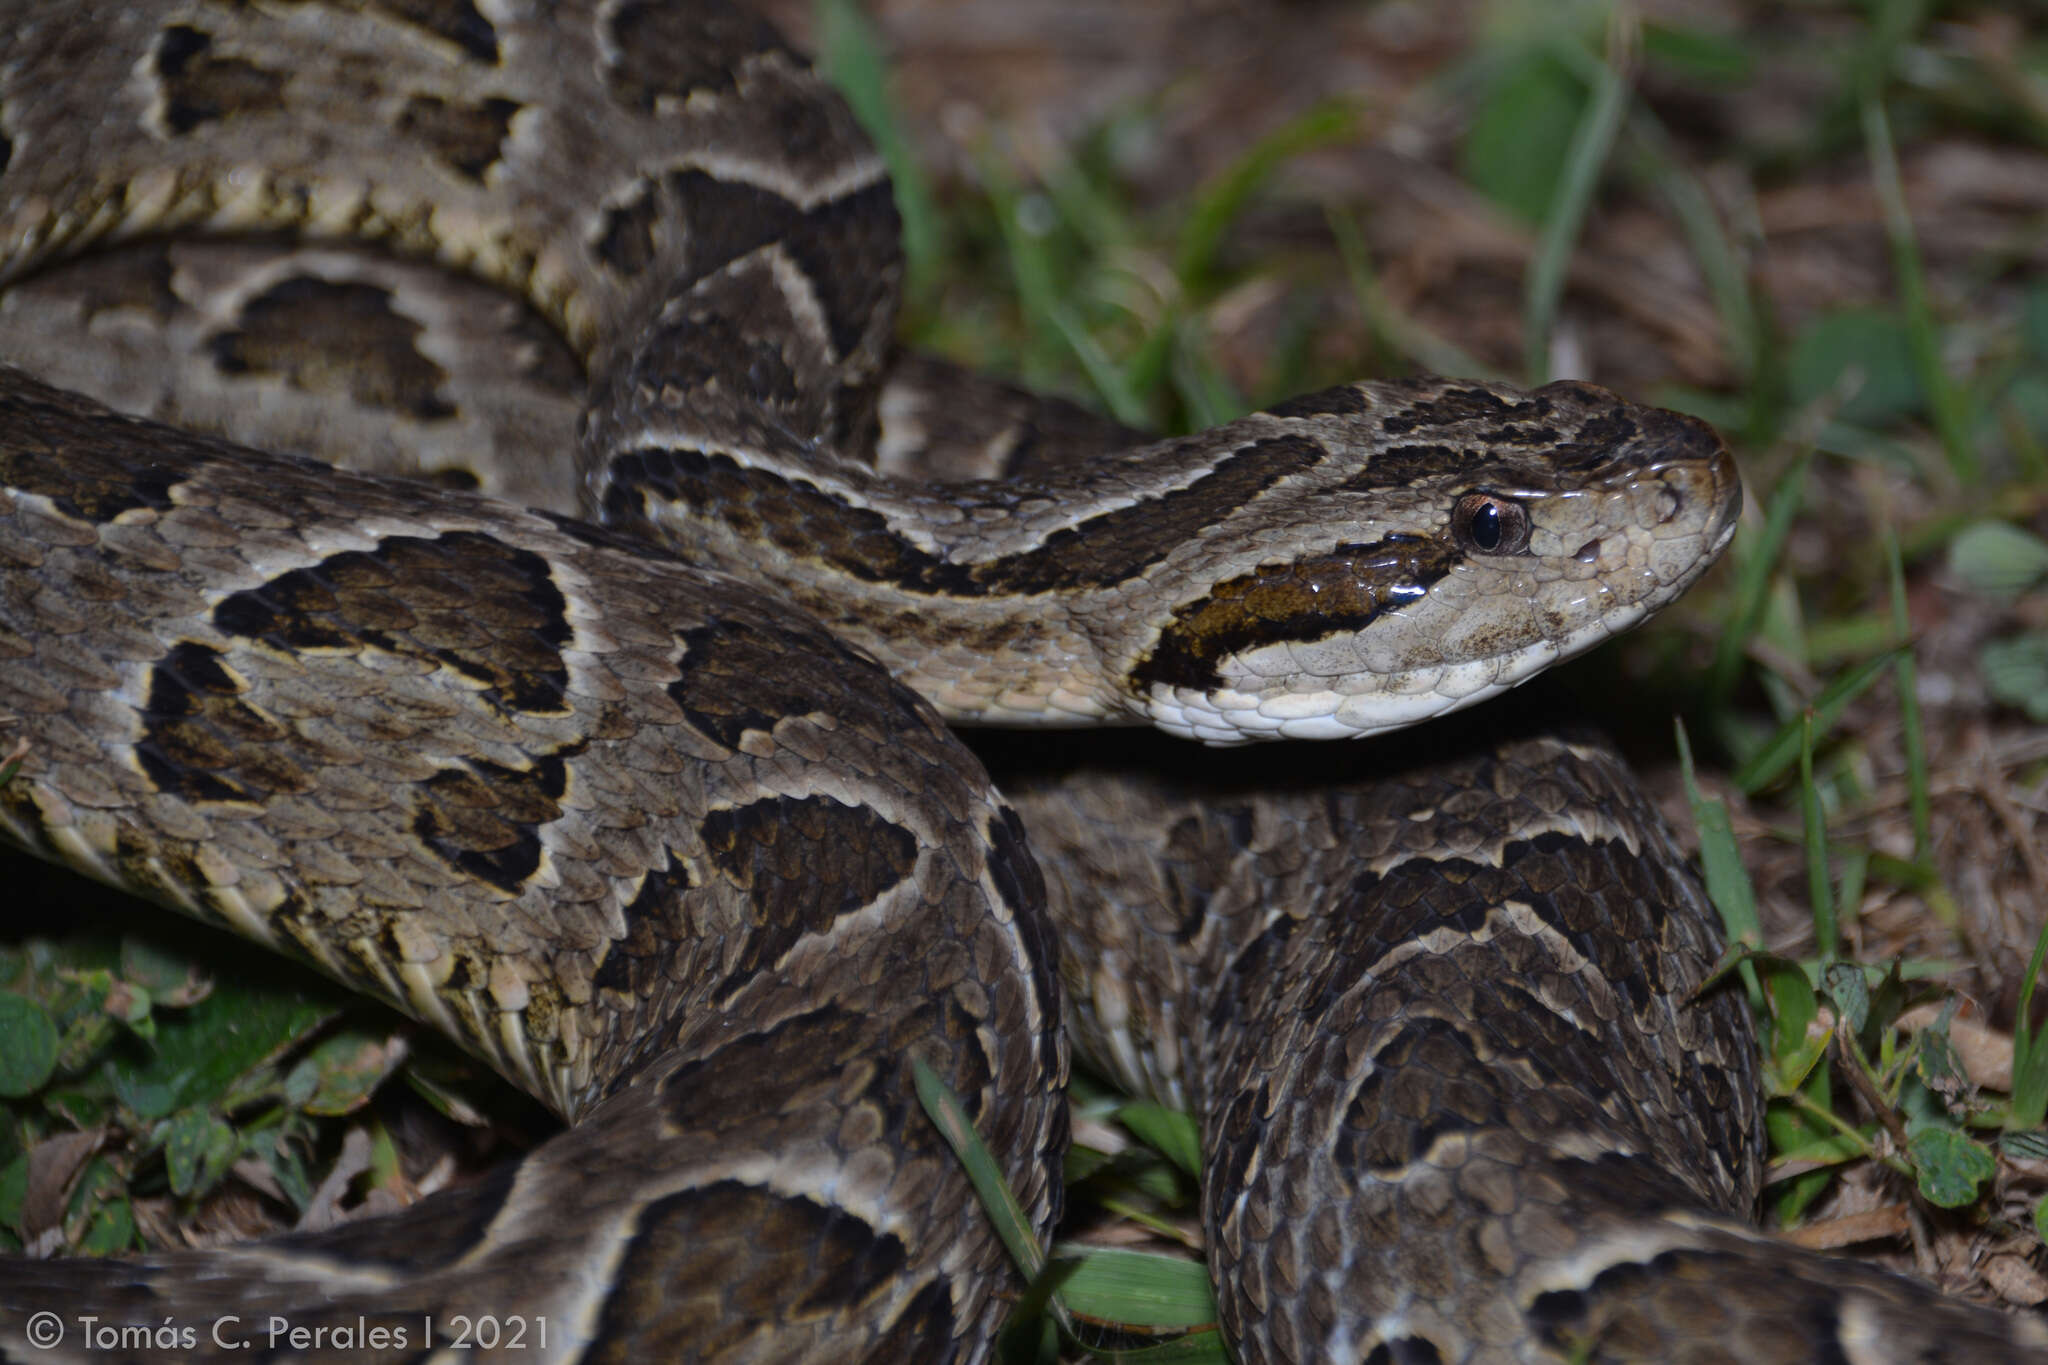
point(687, 864)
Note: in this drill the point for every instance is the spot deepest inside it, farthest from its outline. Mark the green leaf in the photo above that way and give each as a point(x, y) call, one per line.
point(110, 1232)
point(1796, 1046)
point(1753, 575)
point(28, 1045)
point(1790, 1142)
point(272, 1147)
point(339, 1073)
point(1998, 559)
point(1699, 54)
point(80, 1107)
point(1139, 1289)
point(2041, 1220)
point(203, 1051)
point(1850, 990)
point(13, 1192)
point(1167, 1131)
point(1936, 1063)
point(2016, 673)
point(2026, 1146)
point(97, 1186)
point(1820, 888)
point(2034, 319)
point(1950, 1166)
point(1520, 137)
point(1196, 1348)
point(1877, 346)
point(1888, 1001)
point(1586, 157)
point(198, 1149)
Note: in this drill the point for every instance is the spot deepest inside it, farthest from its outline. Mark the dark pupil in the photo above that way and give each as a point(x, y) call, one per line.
point(1486, 526)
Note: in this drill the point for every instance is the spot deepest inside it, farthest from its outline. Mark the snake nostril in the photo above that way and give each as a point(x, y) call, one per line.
point(1589, 553)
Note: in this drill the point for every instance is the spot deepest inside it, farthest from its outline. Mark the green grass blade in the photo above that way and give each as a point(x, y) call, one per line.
point(1124, 401)
point(1753, 580)
point(1167, 1131)
point(1208, 396)
point(1819, 885)
point(1728, 884)
point(1591, 146)
point(1030, 262)
point(1220, 201)
point(1906, 678)
point(2030, 1050)
point(1945, 399)
point(1653, 158)
point(1196, 1348)
point(1117, 1287)
point(1396, 331)
point(950, 1117)
point(1781, 751)
point(1727, 880)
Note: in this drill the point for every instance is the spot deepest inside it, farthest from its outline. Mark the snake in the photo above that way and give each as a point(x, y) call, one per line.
point(599, 713)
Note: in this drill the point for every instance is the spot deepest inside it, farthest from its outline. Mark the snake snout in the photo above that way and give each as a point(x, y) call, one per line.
point(1727, 483)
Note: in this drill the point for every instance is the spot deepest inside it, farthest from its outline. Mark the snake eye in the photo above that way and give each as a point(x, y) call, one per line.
point(1490, 525)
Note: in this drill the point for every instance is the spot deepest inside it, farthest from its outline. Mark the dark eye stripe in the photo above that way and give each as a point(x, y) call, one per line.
point(1308, 599)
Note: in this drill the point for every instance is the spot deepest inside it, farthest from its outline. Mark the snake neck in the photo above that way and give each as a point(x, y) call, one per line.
point(1350, 562)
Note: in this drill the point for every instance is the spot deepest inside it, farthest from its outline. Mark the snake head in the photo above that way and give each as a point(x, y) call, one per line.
point(1463, 537)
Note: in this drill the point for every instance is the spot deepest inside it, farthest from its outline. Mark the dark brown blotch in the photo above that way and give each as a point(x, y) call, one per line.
point(1455, 407)
point(1251, 972)
point(1342, 401)
point(467, 138)
point(1308, 599)
point(1117, 546)
point(740, 676)
point(1601, 899)
point(456, 21)
point(202, 742)
point(799, 864)
point(486, 609)
point(805, 522)
point(707, 1269)
point(200, 87)
point(346, 338)
point(666, 49)
point(1021, 885)
point(654, 924)
point(1402, 466)
point(96, 491)
point(726, 220)
point(793, 515)
point(625, 237)
point(133, 279)
point(924, 1330)
point(1430, 1078)
point(850, 251)
point(484, 818)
